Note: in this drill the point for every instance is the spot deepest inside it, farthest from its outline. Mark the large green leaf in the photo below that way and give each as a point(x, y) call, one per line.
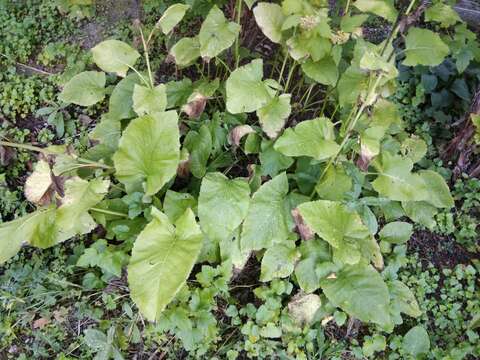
point(360, 291)
point(114, 56)
point(334, 184)
point(323, 71)
point(121, 102)
point(383, 8)
point(199, 144)
point(185, 51)
point(438, 191)
point(397, 232)
point(107, 133)
point(216, 33)
point(172, 16)
point(314, 138)
point(149, 101)
point(246, 92)
point(424, 47)
point(416, 341)
point(267, 221)
point(402, 300)
point(85, 89)
point(35, 227)
point(270, 18)
point(274, 115)
point(278, 262)
point(341, 227)
point(162, 257)
point(222, 205)
point(72, 216)
point(442, 13)
point(148, 153)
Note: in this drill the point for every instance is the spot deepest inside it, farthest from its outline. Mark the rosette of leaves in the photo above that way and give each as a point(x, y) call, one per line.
point(305, 208)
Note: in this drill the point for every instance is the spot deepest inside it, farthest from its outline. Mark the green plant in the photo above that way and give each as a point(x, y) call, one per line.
point(315, 220)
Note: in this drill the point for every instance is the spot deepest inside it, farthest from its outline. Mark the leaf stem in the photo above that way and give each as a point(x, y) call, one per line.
point(237, 40)
point(108, 212)
point(147, 58)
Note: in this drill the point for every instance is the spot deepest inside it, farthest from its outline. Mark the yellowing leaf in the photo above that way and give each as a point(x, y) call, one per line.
point(148, 152)
point(162, 257)
point(114, 56)
point(273, 115)
point(39, 183)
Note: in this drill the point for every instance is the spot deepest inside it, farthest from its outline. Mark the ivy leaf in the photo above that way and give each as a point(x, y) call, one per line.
point(278, 262)
point(85, 89)
point(216, 33)
point(313, 252)
point(442, 13)
point(383, 8)
point(424, 47)
point(397, 182)
point(149, 101)
point(341, 227)
point(121, 102)
point(185, 51)
point(175, 204)
point(148, 152)
point(360, 291)
point(416, 341)
point(162, 257)
point(172, 16)
point(72, 217)
point(270, 18)
point(323, 71)
point(222, 205)
point(246, 92)
point(267, 221)
point(114, 56)
point(314, 138)
point(273, 115)
point(438, 191)
point(397, 232)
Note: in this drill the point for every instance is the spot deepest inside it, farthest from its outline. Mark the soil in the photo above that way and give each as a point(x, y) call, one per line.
point(441, 251)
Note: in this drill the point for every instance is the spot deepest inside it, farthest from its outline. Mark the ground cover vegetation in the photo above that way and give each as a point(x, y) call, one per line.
point(238, 179)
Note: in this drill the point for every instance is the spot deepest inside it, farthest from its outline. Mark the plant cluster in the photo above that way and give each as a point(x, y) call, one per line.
point(307, 167)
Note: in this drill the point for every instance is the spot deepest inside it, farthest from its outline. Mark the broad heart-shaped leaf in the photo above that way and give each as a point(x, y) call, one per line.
point(148, 153)
point(360, 291)
point(383, 8)
point(274, 115)
point(162, 257)
point(442, 13)
point(246, 92)
point(222, 205)
point(270, 18)
point(396, 181)
point(314, 138)
point(421, 212)
point(114, 56)
point(267, 221)
point(216, 33)
point(149, 101)
point(185, 51)
point(85, 89)
point(121, 102)
point(72, 216)
point(402, 301)
point(323, 71)
point(278, 262)
point(341, 227)
point(424, 47)
point(334, 184)
point(107, 133)
point(172, 16)
point(34, 227)
point(175, 204)
point(438, 191)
